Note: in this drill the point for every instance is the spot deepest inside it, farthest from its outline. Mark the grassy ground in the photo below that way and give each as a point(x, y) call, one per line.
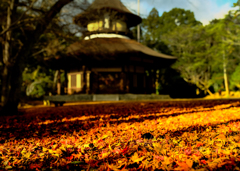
point(146, 135)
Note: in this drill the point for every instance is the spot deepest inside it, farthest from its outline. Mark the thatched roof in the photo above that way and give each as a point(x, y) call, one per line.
point(105, 50)
point(110, 47)
point(93, 10)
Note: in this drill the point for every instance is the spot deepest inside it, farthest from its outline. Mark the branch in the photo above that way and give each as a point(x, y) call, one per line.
point(37, 53)
point(41, 27)
point(14, 25)
point(31, 8)
point(25, 12)
point(19, 50)
point(19, 24)
point(55, 9)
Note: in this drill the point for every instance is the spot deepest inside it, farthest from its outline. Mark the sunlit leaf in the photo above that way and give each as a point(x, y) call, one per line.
point(8, 167)
point(136, 159)
point(167, 160)
point(181, 142)
point(189, 163)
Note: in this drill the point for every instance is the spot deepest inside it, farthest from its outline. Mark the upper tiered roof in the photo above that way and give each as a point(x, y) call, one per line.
point(98, 7)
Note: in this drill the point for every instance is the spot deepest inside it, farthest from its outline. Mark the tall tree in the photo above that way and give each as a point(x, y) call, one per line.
point(191, 45)
point(177, 17)
point(151, 24)
point(22, 25)
point(205, 53)
point(155, 26)
point(225, 33)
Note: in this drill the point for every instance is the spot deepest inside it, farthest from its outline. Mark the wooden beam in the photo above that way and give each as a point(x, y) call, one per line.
point(59, 83)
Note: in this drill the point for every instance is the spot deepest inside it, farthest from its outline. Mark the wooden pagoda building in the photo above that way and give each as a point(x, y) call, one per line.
point(108, 61)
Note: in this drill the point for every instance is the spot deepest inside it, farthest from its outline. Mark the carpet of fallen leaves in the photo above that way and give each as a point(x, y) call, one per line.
point(170, 135)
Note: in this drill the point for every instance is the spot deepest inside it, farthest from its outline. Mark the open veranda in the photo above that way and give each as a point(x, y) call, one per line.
point(146, 135)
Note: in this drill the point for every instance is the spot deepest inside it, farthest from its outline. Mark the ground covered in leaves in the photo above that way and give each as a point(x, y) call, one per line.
point(173, 135)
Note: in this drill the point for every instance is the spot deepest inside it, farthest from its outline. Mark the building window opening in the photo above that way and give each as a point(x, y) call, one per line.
point(106, 21)
point(73, 81)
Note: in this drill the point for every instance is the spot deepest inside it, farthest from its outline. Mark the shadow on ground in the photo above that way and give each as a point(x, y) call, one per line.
point(48, 121)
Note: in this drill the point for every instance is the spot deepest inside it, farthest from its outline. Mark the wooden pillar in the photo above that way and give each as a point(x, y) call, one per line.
point(141, 83)
point(123, 83)
point(84, 87)
point(154, 81)
point(135, 81)
point(65, 82)
point(127, 83)
point(69, 86)
point(151, 80)
point(148, 81)
point(88, 82)
point(144, 82)
point(157, 81)
point(126, 70)
point(94, 84)
point(59, 83)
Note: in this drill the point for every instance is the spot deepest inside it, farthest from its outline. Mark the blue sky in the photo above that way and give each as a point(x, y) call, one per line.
point(221, 2)
point(204, 10)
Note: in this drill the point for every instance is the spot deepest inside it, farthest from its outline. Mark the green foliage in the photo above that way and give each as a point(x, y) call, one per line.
point(191, 46)
point(155, 26)
point(202, 51)
point(176, 17)
point(37, 82)
point(235, 77)
point(225, 45)
point(151, 24)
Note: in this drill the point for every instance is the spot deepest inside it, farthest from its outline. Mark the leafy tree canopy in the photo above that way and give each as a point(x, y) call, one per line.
point(176, 17)
point(155, 26)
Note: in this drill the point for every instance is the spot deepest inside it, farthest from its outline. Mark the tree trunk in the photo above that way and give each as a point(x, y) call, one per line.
point(10, 106)
point(225, 74)
point(13, 66)
point(6, 74)
point(5, 85)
